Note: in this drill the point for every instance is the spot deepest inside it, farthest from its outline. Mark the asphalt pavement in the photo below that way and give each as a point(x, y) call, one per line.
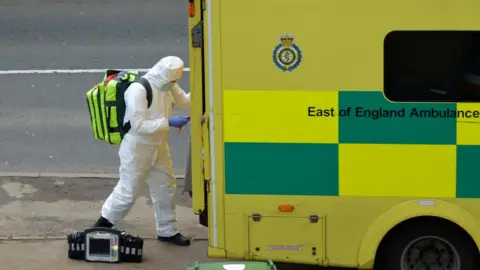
point(44, 121)
point(69, 34)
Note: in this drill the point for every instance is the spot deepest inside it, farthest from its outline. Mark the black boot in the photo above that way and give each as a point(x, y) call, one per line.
point(177, 239)
point(102, 222)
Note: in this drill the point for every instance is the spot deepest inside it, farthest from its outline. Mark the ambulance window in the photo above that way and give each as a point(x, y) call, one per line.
point(432, 66)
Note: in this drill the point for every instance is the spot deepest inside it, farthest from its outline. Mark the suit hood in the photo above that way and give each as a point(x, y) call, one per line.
point(168, 69)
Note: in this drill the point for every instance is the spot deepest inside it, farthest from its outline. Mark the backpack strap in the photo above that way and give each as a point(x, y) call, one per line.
point(148, 88)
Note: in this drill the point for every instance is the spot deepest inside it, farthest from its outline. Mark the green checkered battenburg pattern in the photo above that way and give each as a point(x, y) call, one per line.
point(313, 169)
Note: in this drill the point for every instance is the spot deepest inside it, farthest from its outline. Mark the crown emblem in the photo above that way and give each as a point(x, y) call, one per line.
point(287, 56)
point(287, 40)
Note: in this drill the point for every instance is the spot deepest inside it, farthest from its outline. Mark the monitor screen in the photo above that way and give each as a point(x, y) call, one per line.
point(99, 246)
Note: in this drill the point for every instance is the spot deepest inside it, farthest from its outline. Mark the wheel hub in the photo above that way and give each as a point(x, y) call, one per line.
point(429, 256)
point(430, 253)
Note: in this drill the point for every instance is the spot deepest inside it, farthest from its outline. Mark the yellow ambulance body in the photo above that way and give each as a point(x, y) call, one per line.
point(305, 158)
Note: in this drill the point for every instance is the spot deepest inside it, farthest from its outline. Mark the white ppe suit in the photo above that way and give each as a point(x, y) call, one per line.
point(144, 152)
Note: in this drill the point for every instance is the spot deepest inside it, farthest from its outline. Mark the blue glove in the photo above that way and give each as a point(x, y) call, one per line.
point(178, 121)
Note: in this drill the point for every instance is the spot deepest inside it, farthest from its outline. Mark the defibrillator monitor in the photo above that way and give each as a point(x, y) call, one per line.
point(102, 245)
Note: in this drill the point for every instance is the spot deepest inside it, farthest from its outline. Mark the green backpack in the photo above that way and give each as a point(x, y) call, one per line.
point(106, 104)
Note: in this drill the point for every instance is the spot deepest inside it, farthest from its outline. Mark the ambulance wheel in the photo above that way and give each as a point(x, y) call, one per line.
point(427, 243)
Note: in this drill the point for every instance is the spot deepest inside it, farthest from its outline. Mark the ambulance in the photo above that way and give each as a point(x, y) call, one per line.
point(338, 133)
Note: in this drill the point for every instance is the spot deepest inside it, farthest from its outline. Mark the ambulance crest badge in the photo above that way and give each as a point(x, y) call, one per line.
point(287, 55)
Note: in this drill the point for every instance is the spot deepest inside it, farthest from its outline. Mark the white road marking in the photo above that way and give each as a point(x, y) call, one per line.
point(68, 71)
point(65, 175)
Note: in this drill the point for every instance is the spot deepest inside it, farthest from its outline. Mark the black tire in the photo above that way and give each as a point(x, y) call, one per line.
point(390, 255)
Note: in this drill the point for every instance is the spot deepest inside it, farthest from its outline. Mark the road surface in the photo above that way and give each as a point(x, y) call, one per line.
point(44, 123)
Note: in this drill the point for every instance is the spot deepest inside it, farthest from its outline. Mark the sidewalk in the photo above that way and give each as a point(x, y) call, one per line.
point(34, 208)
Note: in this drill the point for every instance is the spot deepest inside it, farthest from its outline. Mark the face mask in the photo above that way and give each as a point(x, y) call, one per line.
point(167, 86)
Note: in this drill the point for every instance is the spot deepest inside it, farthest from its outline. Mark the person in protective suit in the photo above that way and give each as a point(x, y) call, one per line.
point(144, 152)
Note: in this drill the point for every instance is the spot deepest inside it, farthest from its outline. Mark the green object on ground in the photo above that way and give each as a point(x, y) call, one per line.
point(246, 265)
